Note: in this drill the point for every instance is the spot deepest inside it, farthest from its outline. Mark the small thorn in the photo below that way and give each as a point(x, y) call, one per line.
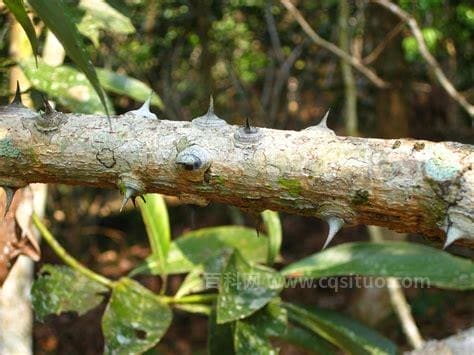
point(335, 224)
point(47, 106)
point(248, 129)
point(9, 192)
point(17, 98)
point(452, 235)
point(144, 109)
point(129, 194)
point(324, 120)
point(210, 110)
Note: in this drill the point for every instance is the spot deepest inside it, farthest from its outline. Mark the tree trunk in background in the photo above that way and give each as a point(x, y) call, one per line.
point(392, 113)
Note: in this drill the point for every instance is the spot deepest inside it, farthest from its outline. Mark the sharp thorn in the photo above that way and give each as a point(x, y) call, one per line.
point(335, 224)
point(247, 128)
point(324, 121)
point(9, 192)
point(47, 106)
point(129, 194)
point(452, 235)
point(210, 110)
point(17, 98)
point(144, 109)
point(143, 198)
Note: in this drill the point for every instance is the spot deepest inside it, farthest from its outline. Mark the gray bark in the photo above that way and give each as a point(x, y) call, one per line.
point(405, 185)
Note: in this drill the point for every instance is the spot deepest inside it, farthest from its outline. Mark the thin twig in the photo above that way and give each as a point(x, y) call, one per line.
point(66, 257)
point(425, 53)
point(398, 300)
point(369, 73)
point(382, 45)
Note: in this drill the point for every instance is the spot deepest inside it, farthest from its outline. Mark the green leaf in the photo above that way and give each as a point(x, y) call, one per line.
point(101, 16)
point(57, 18)
point(157, 224)
point(62, 289)
point(206, 275)
point(307, 340)
point(245, 288)
point(219, 338)
point(388, 259)
point(66, 85)
point(17, 8)
point(196, 247)
point(128, 86)
point(272, 320)
point(248, 339)
point(135, 319)
point(273, 228)
point(344, 332)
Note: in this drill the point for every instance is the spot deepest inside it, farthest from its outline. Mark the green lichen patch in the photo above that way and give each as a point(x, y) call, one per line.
point(361, 197)
point(7, 149)
point(293, 186)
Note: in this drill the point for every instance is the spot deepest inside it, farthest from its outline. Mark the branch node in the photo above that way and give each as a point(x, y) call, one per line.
point(195, 161)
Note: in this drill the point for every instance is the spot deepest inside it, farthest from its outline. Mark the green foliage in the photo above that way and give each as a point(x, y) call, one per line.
point(432, 38)
point(135, 319)
point(245, 288)
point(273, 229)
point(155, 218)
point(344, 332)
point(61, 289)
point(57, 18)
point(388, 259)
point(18, 10)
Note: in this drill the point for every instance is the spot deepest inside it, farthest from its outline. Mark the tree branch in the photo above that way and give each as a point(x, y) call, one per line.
point(405, 185)
point(368, 73)
point(430, 60)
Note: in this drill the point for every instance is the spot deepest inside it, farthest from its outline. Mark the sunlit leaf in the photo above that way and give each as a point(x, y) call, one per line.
point(57, 18)
point(128, 86)
point(61, 289)
point(344, 332)
point(245, 288)
point(196, 247)
point(17, 8)
point(248, 339)
point(388, 259)
point(274, 232)
point(155, 217)
point(66, 85)
point(134, 320)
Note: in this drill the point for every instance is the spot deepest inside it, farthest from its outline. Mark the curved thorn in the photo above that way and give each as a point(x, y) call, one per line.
point(9, 192)
point(17, 98)
point(129, 193)
point(335, 224)
point(143, 198)
point(210, 110)
point(324, 121)
point(452, 235)
point(144, 110)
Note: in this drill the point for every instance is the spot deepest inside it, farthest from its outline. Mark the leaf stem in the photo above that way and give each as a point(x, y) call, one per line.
point(203, 298)
point(66, 257)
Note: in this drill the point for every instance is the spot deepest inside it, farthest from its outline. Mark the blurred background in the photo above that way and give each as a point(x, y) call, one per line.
point(258, 62)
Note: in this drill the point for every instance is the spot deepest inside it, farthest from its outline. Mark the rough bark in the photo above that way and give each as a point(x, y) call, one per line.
point(405, 185)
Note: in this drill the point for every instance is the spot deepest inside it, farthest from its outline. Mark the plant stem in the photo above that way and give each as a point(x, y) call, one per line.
point(203, 298)
point(67, 258)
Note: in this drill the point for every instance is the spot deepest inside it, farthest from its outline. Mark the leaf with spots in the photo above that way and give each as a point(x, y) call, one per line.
point(388, 259)
point(245, 288)
point(135, 319)
point(57, 17)
point(61, 289)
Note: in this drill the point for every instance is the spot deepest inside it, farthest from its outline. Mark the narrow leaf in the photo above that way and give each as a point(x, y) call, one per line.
point(57, 18)
point(155, 217)
point(274, 232)
point(245, 288)
point(17, 8)
point(344, 332)
point(61, 289)
point(388, 259)
point(128, 86)
point(134, 320)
